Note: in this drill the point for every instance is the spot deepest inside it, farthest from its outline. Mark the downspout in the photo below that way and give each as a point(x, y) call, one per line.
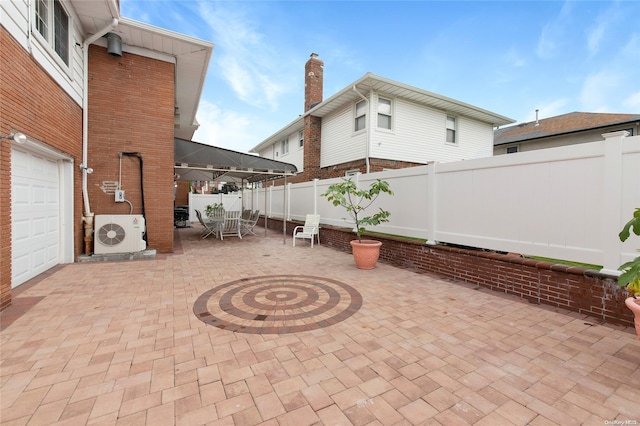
point(367, 125)
point(87, 217)
point(29, 23)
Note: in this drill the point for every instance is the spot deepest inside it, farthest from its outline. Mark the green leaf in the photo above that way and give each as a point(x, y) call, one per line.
point(634, 224)
point(355, 201)
point(630, 272)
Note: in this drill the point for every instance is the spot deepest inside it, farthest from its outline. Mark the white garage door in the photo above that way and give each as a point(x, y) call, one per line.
point(35, 201)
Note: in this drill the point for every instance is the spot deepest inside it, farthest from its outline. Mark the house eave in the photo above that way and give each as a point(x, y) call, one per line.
point(371, 82)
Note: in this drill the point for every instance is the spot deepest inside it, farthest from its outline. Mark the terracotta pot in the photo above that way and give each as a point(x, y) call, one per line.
point(634, 305)
point(365, 253)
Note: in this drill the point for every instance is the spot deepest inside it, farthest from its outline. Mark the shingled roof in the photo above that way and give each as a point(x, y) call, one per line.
point(559, 125)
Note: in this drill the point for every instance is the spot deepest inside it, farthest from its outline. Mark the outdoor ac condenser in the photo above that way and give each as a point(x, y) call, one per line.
point(119, 234)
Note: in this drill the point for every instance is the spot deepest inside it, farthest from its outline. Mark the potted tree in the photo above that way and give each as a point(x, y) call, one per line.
point(355, 201)
point(630, 277)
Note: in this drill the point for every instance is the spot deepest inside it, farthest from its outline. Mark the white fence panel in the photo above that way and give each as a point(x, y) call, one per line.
point(630, 199)
point(565, 203)
point(532, 202)
point(303, 200)
point(232, 201)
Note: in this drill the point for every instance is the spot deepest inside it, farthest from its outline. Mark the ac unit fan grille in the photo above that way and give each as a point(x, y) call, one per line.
point(111, 234)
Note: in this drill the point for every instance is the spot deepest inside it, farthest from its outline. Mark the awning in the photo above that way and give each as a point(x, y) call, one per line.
point(198, 161)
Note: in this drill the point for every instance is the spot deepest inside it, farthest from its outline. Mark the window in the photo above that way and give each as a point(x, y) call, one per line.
point(384, 113)
point(630, 131)
point(352, 172)
point(361, 115)
point(52, 23)
point(300, 139)
point(284, 146)
point(512, 149)
point(451, 129)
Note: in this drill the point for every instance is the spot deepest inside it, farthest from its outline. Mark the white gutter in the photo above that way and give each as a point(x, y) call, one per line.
point(85, 111)
point(367, 124)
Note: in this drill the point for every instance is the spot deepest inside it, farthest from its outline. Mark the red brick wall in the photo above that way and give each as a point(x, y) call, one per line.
point(182, 193)
point(32, 103)
point(131, 109)
point(579, 290)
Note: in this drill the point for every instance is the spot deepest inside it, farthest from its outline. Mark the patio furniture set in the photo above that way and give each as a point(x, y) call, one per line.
point(232, 223)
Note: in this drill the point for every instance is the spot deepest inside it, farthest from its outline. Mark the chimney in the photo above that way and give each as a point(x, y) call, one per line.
point(313, 76)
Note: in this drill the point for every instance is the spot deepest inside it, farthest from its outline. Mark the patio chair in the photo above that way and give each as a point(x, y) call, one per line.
point(208, 230)
point(248, 224)
point(231, 225)
point(309, 230)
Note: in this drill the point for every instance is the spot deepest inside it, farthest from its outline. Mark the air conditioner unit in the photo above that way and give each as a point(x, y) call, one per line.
point(119, 234)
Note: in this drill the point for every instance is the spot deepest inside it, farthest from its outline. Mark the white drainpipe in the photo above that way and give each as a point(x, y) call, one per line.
point(366, 126)
point(88, 215)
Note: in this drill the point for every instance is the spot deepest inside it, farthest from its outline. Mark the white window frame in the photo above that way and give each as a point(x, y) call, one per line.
point(48, 40)
point(300, 139)
point(390, 115)
point(360, 118)
point(351, 172)
point(284, 146)
point(455, 130)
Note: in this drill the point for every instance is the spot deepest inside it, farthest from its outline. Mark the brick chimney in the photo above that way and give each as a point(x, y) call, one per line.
point(313, 76)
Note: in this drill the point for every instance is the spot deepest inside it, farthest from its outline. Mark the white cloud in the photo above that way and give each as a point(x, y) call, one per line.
point(257, 75)
point(595, 36)
point(229, 129)
point(553, 33)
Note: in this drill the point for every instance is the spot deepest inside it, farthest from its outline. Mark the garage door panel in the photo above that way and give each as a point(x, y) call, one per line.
point(19, 163)
point(35, 215)
point(53, 225)
point(21, 230)
point(21, 267)
point(20, 194)
point(39, 227)
point(38, 195)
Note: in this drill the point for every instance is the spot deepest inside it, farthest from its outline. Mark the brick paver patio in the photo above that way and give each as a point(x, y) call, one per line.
point(255, 331)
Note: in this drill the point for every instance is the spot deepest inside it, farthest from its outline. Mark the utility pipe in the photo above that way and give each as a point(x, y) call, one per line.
point(85, 108)
point(367, 125)
point(87, 217)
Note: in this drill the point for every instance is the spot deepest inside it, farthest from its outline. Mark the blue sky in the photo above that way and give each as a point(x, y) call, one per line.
point(509, 57)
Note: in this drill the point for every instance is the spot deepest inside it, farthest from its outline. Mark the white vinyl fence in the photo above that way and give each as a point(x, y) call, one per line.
point(565, 203)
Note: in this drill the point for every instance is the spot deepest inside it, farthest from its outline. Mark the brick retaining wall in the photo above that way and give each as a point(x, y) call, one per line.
point(575, 289)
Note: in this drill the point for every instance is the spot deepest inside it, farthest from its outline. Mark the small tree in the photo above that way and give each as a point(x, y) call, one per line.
point(630, 277)
point(356, 201)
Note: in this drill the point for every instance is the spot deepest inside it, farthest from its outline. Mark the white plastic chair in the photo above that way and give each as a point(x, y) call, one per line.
point(309, 230)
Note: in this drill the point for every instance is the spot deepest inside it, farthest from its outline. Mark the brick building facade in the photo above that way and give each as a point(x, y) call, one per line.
point(131, 105)
point(136, 99)
point(31, 102)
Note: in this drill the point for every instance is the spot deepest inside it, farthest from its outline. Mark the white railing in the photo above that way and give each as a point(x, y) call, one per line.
point(564, 203)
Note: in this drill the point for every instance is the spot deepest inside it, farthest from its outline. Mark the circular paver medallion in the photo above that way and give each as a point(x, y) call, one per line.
point(277, 304)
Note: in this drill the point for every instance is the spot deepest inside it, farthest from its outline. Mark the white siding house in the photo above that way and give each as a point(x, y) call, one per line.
point(376, 123)
point(18, 18)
